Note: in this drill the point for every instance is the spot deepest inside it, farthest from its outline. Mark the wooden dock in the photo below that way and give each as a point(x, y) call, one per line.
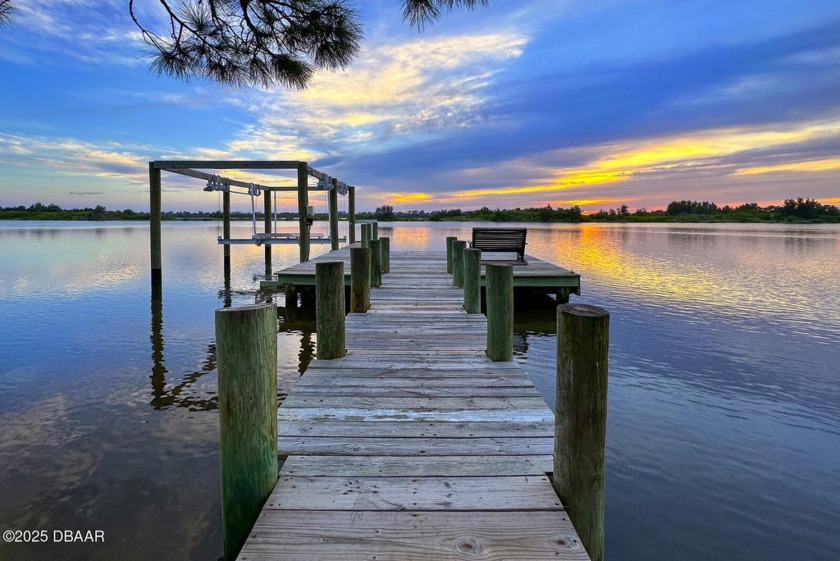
point(414, 446)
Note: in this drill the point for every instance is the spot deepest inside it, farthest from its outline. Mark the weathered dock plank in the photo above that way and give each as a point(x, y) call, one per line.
point(406, 415)
point(413, 536)
point(416, 379)
point(423, 429)
point(423, 466)
point(415, 445)
point(464, 493)
point(415, 403)
point(404, 446)
point(367, 392)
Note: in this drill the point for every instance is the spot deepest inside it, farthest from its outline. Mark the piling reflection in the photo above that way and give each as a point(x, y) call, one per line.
point(296, 349)
point(166, 395)
point(226, 295)
point(158, 376)
point(298, 322)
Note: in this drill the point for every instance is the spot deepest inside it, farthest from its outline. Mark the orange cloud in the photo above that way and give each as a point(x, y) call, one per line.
point(405, 198)
point(816, 165)
point(589, 202)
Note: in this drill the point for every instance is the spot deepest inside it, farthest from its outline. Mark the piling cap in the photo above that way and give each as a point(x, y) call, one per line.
point(582, 310)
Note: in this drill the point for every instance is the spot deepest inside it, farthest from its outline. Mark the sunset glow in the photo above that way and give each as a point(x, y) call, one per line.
point(518, 105)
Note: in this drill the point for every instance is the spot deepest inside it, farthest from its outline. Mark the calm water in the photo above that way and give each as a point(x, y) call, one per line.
point(724, 404)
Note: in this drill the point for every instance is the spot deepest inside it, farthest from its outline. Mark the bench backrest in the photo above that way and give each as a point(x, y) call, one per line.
point(499, 239)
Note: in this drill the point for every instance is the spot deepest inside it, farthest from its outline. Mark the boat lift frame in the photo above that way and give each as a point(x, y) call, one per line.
point(191, 168)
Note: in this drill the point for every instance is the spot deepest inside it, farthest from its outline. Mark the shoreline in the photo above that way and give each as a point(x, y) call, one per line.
point(624, 220)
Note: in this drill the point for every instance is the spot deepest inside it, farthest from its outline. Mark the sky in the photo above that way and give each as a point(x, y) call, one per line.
point(595, 103)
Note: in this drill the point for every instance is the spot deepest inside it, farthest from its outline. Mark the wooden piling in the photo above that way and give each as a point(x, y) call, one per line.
point(267, 223)
point(374, 235)
point(359, 279)
point(449, 241)
point(333, 201)
point(154, 224)
point(472, 280)
point(366, 234)
point(375, 263)
point(246, 347)
point(303, 204)
point(329, 309)
point(226, 232)
point(351, 215)
point(581, 420)
point(499, 312)
point(385, 251)
point(458, 247)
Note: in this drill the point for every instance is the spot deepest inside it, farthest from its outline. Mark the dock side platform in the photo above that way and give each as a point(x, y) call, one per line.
point(536, 274)
point(414, 446)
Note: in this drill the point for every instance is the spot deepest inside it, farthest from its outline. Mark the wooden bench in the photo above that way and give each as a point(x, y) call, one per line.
point(500, 239)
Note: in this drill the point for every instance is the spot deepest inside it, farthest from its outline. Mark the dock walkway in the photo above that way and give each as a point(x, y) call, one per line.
point(414, 446)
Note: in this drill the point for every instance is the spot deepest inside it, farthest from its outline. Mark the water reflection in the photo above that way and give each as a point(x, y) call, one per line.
point(296, 338)
point(165, 395)
point(723, 381)
point(299, 321)
point(738, 272)
point(158, 369)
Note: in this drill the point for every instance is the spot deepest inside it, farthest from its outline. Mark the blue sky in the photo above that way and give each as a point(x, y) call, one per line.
point(596, 103)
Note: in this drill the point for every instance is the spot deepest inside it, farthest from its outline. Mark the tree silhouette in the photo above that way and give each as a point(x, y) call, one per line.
point(384, 212)
point(6, 10)
point(266, 42)
point(691, 207)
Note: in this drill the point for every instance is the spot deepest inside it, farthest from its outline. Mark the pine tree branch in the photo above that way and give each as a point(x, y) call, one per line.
point(266, 42)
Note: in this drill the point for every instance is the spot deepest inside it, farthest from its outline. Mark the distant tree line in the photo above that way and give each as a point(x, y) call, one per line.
point(40, 211)
point(543, 214)
point(792, 210)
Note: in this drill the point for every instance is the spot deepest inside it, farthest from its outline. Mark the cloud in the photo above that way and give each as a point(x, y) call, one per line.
point(85, 193)
point(408, 198)
point(74, 157)
point(587, 176)
point(91, 31)
point(394, 95)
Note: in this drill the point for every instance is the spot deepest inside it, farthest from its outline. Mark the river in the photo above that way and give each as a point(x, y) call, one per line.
point(723, 437)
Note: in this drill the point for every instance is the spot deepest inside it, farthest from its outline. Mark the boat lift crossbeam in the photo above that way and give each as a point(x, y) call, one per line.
point(226, 185)
point(262, 238)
